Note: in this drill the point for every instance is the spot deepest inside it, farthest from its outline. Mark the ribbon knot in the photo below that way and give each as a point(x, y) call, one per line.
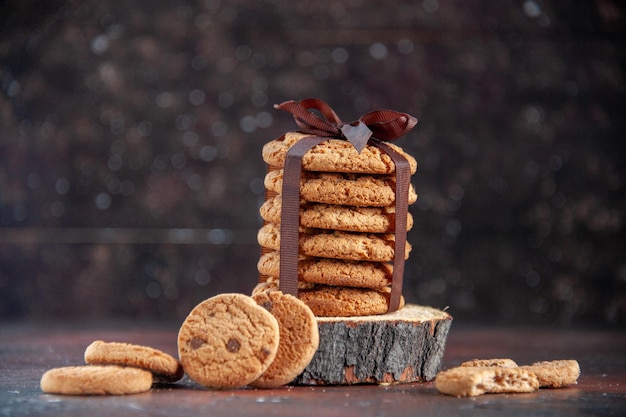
point(387, 125)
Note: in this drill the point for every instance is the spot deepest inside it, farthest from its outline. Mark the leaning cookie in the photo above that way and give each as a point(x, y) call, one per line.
point(336, 272)
point(465, 381)
point(335, 155)
point(165, 368)
point(299, 338)
point(336, 217)
point(96, 380)
point(342, 189)
point(555, 374)
point(227, 341)
point(337, 245)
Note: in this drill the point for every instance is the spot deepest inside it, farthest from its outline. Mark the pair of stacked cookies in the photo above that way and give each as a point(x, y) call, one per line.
point(113, 368)
point(347, 225)
point(494, 376)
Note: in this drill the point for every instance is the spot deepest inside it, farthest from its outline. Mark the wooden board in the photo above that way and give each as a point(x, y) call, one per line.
point(404, 346)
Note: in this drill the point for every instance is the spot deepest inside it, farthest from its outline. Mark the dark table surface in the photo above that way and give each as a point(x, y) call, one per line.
point(27, 350)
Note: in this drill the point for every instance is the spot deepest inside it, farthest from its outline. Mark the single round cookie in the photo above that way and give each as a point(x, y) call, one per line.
point(336, 217)
point(335, 244)
point(299, 338)
point(165, 368)
point(335, 155)
point(329, 301)
point(340, 273)
point(342, 189)
point(227, 341)
point(96, 380)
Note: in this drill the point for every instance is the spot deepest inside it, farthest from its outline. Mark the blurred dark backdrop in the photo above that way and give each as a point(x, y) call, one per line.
point(131, 131)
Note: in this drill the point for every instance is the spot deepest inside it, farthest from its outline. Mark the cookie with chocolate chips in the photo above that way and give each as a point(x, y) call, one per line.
point(227, 341)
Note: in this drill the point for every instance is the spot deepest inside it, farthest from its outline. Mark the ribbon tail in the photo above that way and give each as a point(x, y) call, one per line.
point(403, 179)
point(290, 215)
point(358, 135)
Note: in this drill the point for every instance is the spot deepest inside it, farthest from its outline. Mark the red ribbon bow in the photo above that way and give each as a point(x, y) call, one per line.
point(387, 125)
point(383, 125)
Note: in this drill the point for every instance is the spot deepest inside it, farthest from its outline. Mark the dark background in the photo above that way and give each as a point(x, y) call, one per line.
point(131, 132)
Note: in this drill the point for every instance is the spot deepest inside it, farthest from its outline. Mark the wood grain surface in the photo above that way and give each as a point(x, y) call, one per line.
point(28, 349)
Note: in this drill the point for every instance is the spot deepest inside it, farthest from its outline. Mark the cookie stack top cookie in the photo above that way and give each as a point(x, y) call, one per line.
point(336, 211)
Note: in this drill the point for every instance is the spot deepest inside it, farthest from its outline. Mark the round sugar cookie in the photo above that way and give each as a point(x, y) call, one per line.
point(329, 301)
point(96, 380)
point(165, 368)
point(336, 272)
point(336, 217)
point(342, 189)
point(227, 341)
point(335, 155)
point(336, 245)
point(299, 338)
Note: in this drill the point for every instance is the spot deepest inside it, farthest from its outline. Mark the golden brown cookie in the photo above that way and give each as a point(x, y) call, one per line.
point(555, 374)
point(96, 380)
point(336, 245)
point(504, 363)
point(227, 341)
point(335, 272)
point(164, 367)
point(328, 301)
point(299, 338)
point(335, 155)
point(465, 381)
point(336, 217)
point(342, 189)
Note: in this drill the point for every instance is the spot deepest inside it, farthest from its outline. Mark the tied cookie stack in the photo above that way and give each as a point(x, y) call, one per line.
point(334, 235)
point(349, 197)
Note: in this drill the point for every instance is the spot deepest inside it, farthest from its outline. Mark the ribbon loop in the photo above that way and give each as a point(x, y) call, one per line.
point(388, 125)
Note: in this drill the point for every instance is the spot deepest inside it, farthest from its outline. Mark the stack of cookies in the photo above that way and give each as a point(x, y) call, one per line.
point(347, 221)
